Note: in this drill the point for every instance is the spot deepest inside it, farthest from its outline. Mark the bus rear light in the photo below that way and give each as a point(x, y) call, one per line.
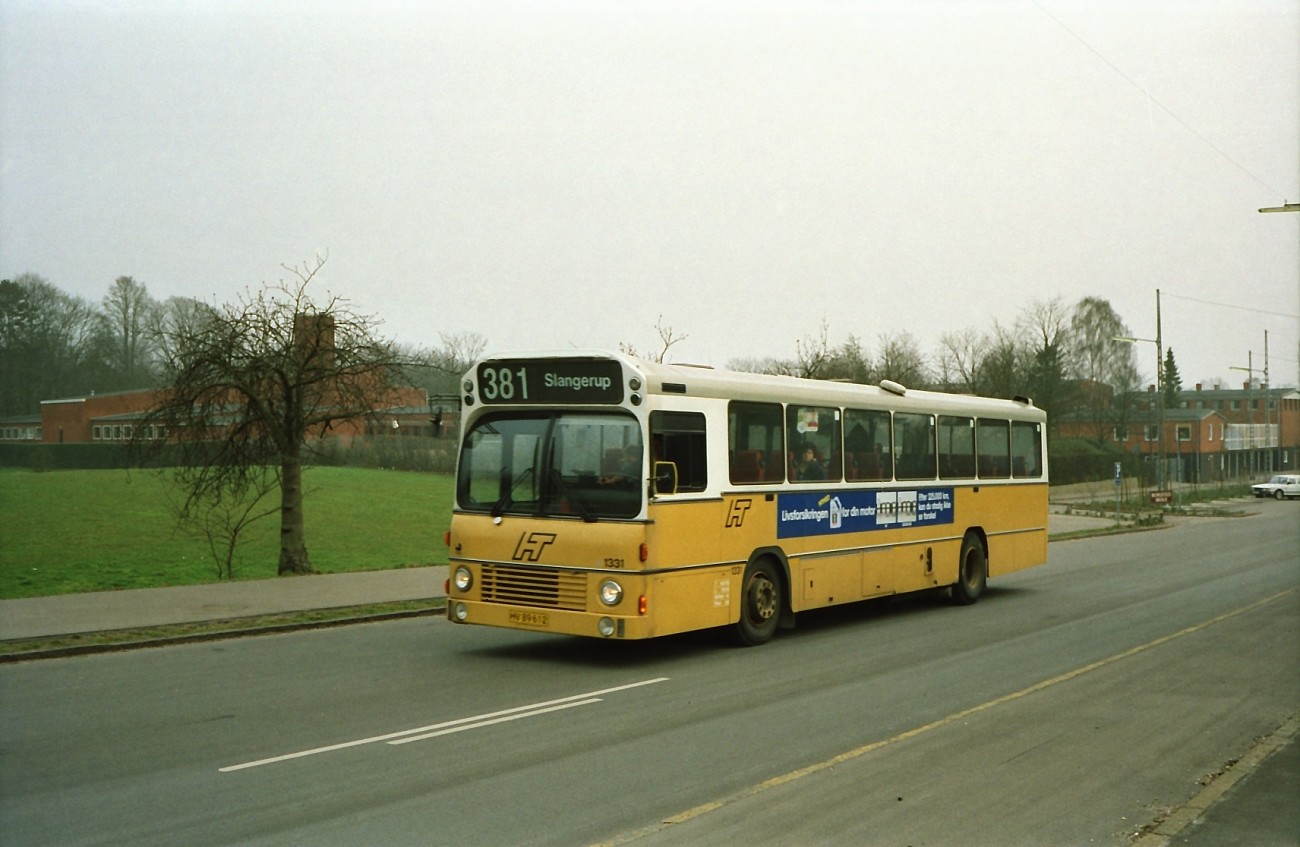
point(446, 538)
point(645, 552)
point(642, 605)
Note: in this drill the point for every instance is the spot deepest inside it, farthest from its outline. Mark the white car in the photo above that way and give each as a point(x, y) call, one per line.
point(1280, 486)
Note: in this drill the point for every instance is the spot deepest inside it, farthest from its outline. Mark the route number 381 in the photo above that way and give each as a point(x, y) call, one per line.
point(502, 384)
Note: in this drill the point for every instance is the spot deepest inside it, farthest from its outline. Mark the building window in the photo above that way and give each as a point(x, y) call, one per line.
point(1120, 434)
point(1184, 432)
point(1151, 432)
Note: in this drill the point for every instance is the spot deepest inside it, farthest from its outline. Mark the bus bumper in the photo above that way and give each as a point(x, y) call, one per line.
point(559, 621)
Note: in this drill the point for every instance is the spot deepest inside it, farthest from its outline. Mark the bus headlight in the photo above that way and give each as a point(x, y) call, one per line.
point(462, 579)
point(605, 626)
point(610, 592)
point(461, 611)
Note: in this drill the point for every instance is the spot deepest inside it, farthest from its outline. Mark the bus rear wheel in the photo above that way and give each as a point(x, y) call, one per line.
point(760, 604)
point(972, 571)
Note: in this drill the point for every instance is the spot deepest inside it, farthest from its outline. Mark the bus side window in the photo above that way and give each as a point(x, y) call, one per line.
point(956, 447)
point(914, 446)
point(679, 438)
point(814, 449)
point(755, 442)
point(867, 443)
point(993, 445)
point(1026, 449)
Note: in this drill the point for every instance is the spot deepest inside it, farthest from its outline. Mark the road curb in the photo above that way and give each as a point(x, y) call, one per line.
point(435, 607)
point(1161, 832)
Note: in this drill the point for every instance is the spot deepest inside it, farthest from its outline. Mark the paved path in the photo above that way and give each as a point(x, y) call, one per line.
point(69, 614)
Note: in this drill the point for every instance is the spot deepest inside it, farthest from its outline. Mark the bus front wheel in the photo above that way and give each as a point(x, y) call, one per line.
point(760, 604)
point(972, 571)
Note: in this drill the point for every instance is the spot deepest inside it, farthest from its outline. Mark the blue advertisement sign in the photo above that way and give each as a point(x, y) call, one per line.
point(821, 513)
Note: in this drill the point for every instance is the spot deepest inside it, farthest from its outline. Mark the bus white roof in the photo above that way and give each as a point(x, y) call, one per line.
point(684, 380)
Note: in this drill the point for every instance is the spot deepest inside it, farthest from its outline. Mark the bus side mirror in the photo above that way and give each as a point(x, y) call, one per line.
point(665, 477)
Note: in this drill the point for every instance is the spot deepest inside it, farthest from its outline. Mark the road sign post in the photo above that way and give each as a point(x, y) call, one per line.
point(1119, 482)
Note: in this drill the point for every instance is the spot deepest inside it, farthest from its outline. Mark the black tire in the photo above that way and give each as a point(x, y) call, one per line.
point(760, 604)
point(972, 571)
point(1278, 495)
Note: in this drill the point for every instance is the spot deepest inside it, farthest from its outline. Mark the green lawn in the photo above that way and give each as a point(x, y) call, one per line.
point(68, 531)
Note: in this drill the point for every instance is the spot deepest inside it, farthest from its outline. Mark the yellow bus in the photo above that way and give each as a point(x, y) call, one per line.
point(602, 495)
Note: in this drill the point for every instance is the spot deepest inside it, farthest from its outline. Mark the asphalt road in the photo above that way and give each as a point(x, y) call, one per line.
point(1074, 704)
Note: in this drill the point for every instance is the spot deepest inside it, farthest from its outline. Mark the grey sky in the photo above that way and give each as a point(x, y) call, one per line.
point(561, 174)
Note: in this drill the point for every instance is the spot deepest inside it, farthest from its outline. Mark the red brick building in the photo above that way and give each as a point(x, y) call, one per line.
point(406, 412)
point(1208, 435)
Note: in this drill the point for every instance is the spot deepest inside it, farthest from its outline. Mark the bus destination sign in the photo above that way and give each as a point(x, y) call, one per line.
point(550, 381)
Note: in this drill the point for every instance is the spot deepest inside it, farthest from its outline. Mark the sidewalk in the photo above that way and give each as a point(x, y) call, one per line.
point(71, 614)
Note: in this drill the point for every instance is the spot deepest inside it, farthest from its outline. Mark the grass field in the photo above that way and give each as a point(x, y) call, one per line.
point(63, 532)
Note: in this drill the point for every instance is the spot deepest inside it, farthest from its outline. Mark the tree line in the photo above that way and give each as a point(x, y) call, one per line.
point(55, 345)
point(1063, 356)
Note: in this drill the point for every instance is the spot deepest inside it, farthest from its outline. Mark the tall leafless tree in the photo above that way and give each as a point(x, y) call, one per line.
point(1103, 365)
point(248, 384)
point(126, 315)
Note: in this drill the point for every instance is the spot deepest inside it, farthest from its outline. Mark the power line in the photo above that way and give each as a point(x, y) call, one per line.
point(1184, 124)
point(1232, 306)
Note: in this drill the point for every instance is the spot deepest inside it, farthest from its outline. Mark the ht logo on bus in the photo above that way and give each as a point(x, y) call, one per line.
point(531, 545)
point(739, 508)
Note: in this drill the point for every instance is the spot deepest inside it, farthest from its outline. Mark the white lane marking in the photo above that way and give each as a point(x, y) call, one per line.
point(482, 720)
point(464, 727)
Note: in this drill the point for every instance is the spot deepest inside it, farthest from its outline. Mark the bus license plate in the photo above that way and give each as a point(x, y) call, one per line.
point(530, 618)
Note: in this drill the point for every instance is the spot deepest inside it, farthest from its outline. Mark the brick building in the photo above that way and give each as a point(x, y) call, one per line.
point(1208, 435)
point(114, 416)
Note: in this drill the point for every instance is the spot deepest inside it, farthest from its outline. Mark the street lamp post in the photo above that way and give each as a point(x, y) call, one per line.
point(1249, 404)
point(1160, 392)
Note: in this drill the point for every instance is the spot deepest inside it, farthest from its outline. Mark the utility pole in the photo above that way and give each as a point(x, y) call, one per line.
point(1160, 400)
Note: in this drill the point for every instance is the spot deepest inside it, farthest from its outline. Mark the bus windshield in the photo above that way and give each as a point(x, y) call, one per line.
point(555, 463)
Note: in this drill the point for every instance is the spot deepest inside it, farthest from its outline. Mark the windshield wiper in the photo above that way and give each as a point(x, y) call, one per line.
point(574, 499)
point(508, 498)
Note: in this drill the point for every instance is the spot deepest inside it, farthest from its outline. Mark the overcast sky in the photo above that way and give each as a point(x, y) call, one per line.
point(561, 174)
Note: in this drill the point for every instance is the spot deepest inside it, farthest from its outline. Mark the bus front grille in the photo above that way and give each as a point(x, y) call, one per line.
point(548, 589)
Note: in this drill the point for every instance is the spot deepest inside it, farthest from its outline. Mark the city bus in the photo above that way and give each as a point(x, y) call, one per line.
point(602, 495)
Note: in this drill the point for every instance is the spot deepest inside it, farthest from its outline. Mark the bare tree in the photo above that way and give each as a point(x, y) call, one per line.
point(850, 363)
point(126, 315)
point(901, 360)
point(1104, 366)
point(1002, 370)
point(961, 358)
point(249, 383)
point(812, 355)
point(46, 344)
point(1045, 324)
point(667, 338)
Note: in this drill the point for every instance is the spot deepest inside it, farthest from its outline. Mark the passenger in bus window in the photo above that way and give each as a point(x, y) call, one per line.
point(629, 470)
point(811, 469)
